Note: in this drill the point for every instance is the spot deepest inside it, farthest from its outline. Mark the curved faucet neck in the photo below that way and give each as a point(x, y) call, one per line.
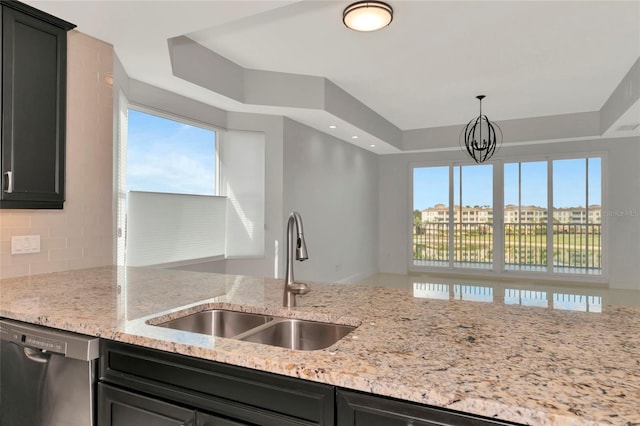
point(297, 243)
point(290, 242)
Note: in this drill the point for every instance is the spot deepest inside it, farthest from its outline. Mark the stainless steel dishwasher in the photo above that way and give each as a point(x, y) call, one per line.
point(47, 377)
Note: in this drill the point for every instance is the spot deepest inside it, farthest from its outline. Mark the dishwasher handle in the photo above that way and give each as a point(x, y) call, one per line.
point(37, 355)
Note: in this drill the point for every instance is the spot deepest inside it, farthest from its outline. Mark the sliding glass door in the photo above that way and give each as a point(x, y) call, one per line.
point(453, 216)
point(549, 216)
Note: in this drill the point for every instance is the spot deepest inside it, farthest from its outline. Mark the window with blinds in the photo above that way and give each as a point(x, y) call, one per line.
point(167, 228)
point(178, 202)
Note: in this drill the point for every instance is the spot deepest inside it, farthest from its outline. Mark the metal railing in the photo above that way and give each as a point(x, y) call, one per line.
point(575, 246)
point(472, 242)
point(525, 244)
point(431, 241)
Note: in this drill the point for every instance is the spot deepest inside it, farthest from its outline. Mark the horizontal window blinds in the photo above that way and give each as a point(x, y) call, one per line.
point(164, 228)
point(243, 169)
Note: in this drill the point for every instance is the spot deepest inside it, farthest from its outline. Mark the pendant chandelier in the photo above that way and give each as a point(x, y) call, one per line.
point(481, 137)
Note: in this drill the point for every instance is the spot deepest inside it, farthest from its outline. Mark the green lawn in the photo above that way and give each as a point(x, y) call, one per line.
point(577, 240)
point(569, 249)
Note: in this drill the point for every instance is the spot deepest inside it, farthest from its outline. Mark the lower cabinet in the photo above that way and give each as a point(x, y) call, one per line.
point(124, 408)
point(203, 419)
point(358, 409)
point(142, 386)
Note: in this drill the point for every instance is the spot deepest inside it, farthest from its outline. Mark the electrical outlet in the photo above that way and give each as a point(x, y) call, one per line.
point(24, 244)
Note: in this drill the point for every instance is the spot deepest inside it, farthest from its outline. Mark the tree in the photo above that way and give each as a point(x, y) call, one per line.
point(417, 220)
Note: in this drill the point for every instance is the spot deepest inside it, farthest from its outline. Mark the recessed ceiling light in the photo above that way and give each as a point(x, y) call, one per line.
point(372, 145)
point(333, 126)
point(354, 137)
point(367, 15)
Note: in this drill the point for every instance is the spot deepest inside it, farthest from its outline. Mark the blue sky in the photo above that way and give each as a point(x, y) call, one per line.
point(431, 184)
point(169, 156)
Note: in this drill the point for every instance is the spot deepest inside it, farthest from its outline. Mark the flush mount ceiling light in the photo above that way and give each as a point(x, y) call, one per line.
point(481, 137)
point(367, 15)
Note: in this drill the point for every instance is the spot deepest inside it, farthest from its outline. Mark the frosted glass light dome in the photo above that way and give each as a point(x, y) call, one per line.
point(367, 15)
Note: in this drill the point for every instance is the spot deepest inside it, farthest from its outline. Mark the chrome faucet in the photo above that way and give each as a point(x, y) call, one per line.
point(292, 288)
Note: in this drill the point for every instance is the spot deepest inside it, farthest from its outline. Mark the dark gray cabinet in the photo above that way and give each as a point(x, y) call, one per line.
point(359, 409)
point(33, 89)
point(203, 419)
point(218, 394)
point(123, 408)
point(147, 386)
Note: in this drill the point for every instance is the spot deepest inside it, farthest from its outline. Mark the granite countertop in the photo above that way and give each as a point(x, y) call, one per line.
point(514, 355)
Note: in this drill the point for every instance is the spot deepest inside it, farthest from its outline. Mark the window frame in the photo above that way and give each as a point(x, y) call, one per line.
point(451, 211)
point(498, 267)
point(218, 135)
point(125, 104)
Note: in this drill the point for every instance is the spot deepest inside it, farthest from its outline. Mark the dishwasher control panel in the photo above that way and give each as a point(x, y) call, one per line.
point(71, 345)
point(32, 340)
point(49, 345)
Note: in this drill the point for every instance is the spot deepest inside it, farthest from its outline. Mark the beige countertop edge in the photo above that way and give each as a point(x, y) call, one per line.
point(306, 371)
point(482, 407)
point(376, 364)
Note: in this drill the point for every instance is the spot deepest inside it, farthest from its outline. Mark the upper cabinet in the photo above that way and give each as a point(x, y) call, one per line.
point(34, 84)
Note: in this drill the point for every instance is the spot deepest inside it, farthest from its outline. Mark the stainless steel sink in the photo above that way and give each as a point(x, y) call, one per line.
point(218, 322)
point(257, 328)
point(297, 334)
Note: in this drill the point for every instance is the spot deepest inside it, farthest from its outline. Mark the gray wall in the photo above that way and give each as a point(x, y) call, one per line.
point(334, 186)
point(162, 100)
point(621, 193)
point(320, 176)
point(356, 206)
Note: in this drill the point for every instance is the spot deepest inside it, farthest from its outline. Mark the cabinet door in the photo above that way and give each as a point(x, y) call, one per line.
point(356, 409)
point(34, 111)
point(203, 419)
point(229, 392)
point(117, 407)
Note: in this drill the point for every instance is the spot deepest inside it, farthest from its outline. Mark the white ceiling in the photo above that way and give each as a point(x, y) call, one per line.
point(531, 59)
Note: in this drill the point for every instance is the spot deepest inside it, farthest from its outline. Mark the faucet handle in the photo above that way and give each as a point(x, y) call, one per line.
point(299, 288)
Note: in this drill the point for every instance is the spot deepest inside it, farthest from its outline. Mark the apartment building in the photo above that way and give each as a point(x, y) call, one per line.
point(513, 214)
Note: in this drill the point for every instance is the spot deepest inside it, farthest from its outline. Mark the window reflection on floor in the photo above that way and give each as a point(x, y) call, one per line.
point(431, 291)
point(577, 302)
point(470, 293)
point(512, 296)
point(473, 293)
point(536, 294)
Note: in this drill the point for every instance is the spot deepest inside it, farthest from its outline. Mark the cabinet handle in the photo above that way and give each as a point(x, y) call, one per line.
point(9, 176)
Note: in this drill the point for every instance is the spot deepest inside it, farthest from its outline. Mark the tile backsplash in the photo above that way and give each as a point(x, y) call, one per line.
point(81, 235)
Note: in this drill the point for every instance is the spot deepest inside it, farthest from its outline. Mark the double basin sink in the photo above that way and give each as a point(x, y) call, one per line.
point(266, 329)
